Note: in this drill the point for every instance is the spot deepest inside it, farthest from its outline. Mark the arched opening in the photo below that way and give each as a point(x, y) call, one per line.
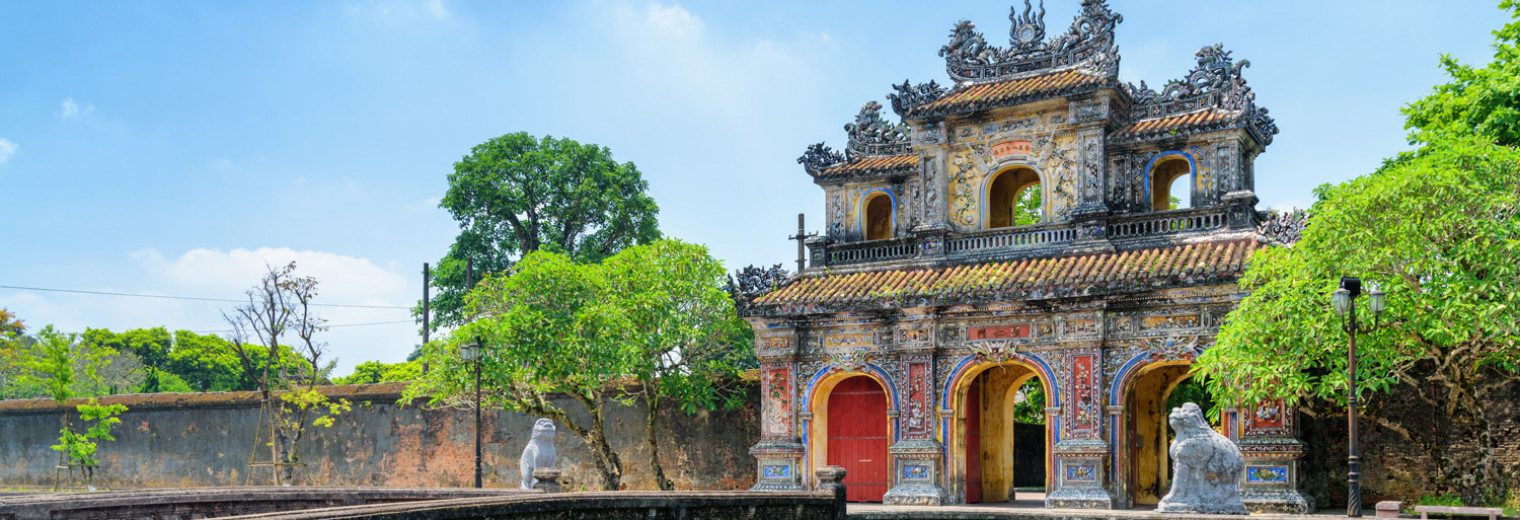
point(1014, 198)
point(1153, 393)
point(878, 217)
point(1004, 444)
point(857, 436)
point(1165, 173)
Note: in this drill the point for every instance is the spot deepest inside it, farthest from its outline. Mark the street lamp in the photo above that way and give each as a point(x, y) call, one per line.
point(471, 352)
point(1344, 301)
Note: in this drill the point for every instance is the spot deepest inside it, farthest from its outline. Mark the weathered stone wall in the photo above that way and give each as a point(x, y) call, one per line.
point(1398, 468)
point(183, 440)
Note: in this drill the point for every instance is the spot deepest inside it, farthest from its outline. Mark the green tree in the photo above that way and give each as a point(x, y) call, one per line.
point(370, 372)
point(547, 328)
point(516, 194)
point(1437, 229)
point(686, 338)
point(1483, 100)
point(1027, 209)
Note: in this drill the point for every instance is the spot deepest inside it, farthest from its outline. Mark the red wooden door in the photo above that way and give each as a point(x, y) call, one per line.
point(858, 437)
point(974, 442)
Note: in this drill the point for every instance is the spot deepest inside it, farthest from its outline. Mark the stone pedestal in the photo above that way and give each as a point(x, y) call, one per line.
point(1270, 483)
point(779, 466)
point(914, 481)
point(1081, 476)
point(1271, 450)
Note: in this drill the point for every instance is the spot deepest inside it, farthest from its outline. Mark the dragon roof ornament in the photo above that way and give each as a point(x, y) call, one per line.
point(910, 96)
point(873, 135)
point(819, 157)
point(1089, 43)
point(1215, 82)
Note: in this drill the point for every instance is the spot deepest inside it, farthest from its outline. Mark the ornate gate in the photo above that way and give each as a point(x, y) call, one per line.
point(858, 436)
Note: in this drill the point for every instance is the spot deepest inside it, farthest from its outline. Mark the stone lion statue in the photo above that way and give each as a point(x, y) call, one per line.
point(539, 453)
point(1206, 467)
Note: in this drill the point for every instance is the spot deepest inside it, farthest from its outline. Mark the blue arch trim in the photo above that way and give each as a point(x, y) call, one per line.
point(987, 183)
point(866, 197)
point(1192, 171)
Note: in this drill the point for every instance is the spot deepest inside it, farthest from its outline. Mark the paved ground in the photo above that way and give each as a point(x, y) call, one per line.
point(1031, 506)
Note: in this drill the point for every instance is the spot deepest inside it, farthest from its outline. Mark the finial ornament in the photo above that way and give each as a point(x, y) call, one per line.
point(1214, 82)
point(1089, 44)
point(872, 134)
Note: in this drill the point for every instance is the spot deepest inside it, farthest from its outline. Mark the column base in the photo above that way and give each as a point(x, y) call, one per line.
point(1080, 498)
point(778, 466)
point(1287, 501)
point(917, 466)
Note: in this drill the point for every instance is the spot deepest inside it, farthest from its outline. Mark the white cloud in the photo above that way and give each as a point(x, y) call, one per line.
point(69, 109)
point(7, 149)
point(344, 279)
point(673, 20)
point(436, 8)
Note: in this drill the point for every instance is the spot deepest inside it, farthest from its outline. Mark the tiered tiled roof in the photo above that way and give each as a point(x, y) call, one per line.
point(1028, 279)
point(1206, 119)
point(1007, 92)
point(871, 165)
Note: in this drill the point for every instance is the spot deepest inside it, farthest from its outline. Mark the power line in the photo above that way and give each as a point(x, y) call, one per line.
point(328, 326)
point(352, 306)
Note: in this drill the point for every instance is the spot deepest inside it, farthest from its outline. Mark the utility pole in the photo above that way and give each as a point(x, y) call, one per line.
point(427, 277)
point(800, 237)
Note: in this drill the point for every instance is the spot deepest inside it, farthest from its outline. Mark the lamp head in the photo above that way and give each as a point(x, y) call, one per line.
point(1352, 284)
point(470, 351)
point(1376, 301)
point(1341, 300)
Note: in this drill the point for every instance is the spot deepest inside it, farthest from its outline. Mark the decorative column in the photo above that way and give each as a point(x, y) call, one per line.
point(933, 227)
point(917, 458)
point(1268, 441)
point(779, 452)
point(1082, 455)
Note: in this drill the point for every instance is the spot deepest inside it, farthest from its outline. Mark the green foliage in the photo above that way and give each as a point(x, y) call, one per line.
point(57, 366)
point(1193, 390)
point(686, 333)
point(516, 194)
point(80, 449)
point(370, 372)
point(1437, 230)
point(10, 325)
point(1031, 409)
point(1483, 100)
point(1027, 209)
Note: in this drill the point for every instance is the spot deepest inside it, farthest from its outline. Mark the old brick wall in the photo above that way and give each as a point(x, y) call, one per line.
point(181, 440)
point(1396, 468)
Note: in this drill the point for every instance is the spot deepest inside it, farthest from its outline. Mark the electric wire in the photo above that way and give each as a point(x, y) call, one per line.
point(164, 297)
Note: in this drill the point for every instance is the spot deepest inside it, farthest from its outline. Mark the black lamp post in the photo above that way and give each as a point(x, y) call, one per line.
point(471, 352)
point(1344, 300)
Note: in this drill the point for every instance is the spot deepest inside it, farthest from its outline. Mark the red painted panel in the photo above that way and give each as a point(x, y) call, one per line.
point(858, 437)
point(974, 442)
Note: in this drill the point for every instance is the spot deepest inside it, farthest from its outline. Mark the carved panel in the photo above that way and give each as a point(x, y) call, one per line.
point(779, 393)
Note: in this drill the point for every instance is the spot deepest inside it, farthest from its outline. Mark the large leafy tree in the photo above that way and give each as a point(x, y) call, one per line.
point(1438, 229)
point(547, 328)
point(687, 341)
point(516, 194)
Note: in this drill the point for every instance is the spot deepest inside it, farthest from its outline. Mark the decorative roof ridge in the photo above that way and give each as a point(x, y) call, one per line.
point(1216, 81)
point(1044, 277)
point(951, 103)
point(1089, 41)
point(870, 135)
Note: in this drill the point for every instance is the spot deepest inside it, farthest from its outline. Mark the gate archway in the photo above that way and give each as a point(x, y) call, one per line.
point(858, 436)
point(984, 452)
point(1147, 432)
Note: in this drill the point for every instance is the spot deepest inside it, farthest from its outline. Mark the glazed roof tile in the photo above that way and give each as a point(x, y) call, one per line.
point(1147, 267)
point(1179, 122)
point(872, 165)
point(987, 95)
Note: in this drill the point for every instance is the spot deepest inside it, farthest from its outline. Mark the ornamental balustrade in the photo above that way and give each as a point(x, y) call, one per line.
point(1168, 223)
point(1031, 238)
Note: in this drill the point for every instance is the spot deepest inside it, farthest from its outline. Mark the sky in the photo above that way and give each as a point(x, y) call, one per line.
point(177, 148)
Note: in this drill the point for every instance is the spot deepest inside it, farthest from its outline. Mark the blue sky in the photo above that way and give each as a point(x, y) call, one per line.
point(174, 148)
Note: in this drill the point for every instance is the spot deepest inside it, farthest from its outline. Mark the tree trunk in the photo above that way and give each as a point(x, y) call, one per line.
point(611, 465)
point(651, 428)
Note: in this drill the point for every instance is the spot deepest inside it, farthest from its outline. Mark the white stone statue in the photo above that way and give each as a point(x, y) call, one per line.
point(1206, 467)
point(539, 453)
